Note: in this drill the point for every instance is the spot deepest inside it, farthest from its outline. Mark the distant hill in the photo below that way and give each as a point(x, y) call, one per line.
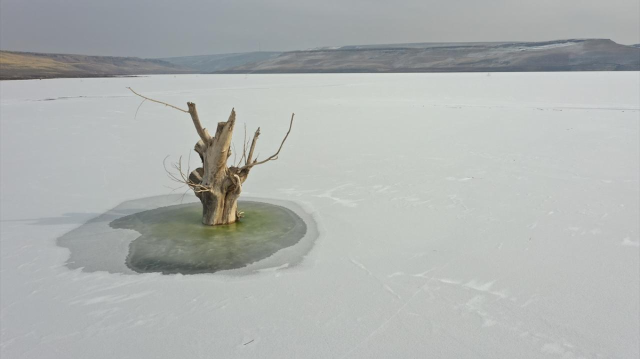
point(562, 55)
point(215, 63)
point(25, 65)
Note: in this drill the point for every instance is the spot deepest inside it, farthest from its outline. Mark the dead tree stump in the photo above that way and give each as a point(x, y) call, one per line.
point(216, 184)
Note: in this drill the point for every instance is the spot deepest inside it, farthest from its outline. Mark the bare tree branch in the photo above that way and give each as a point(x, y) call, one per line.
point(202, 132)
point(253, 146)
point(275, 155)
point(156, 101)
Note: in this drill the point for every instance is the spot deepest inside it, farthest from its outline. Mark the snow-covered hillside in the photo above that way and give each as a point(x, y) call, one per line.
point(460, 216)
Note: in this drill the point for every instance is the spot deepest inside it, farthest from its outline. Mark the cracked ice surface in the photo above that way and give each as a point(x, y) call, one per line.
point(460, 216)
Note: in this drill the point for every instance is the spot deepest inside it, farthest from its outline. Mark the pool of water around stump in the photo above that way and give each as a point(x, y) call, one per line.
point(147, 235)
point(173, 239)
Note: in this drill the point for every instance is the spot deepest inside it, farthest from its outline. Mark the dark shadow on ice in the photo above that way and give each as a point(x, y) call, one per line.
point(156, 235)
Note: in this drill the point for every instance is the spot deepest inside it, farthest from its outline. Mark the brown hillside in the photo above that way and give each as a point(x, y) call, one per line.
point(22, 65)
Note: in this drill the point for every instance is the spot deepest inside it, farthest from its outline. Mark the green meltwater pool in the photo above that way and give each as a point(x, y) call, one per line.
point(164, 235)
point(173, 239)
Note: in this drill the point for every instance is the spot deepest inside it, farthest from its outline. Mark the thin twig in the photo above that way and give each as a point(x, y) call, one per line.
point(184, 194)
point(184, 179)
point(138, 109)
point(244, 146)
point(233, 145)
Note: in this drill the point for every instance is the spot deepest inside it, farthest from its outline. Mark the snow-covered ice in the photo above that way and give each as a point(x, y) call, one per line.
point(460, 216)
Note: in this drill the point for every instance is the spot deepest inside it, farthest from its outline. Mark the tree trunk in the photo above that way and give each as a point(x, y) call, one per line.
point(216, 185)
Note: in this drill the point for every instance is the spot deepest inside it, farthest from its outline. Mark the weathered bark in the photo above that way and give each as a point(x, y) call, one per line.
point(215, 184)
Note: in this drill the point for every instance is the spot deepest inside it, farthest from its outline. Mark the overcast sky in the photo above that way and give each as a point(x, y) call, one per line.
point(162, 28)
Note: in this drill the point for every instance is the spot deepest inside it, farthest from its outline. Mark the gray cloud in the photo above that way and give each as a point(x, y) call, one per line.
point(191, 27)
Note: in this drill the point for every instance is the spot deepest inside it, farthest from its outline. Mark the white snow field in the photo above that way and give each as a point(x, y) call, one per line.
point(460, 216)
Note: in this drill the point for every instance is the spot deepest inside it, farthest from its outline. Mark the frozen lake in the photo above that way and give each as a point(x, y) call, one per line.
point(460, 216)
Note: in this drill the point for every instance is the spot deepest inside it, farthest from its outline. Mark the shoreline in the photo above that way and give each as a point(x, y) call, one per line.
point(32, 78)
